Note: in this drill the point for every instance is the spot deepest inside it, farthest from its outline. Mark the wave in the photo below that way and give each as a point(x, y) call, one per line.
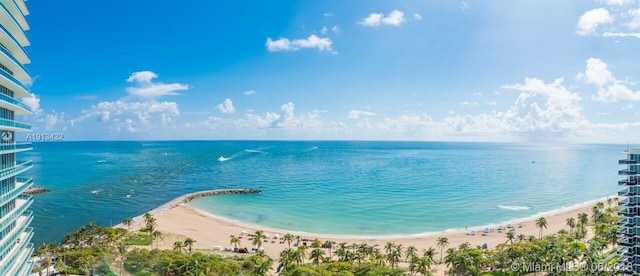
point(102, 161)
point(95, 192)
point(222, 158)
point(314, 148)
point(513, 207)
point(253, 151)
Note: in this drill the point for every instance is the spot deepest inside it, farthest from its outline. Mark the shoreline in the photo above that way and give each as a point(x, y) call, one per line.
point(185, 199)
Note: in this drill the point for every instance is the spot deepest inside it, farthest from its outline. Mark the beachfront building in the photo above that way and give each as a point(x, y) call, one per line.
point(629, 235)
point(15, 233)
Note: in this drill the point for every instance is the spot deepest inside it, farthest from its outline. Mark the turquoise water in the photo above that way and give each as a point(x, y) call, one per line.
point(370, 188)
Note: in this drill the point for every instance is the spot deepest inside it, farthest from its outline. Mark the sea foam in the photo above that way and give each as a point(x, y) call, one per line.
point(513, 207)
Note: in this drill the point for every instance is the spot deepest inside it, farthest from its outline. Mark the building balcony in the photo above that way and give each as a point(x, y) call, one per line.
point(20, 167)
point(8, 21)
point(13, 84)
point(627, 242)
point(12, 63)
point(13, 104)
point(12, 6)
point(628, 203)
point(628, 162)
point(627, 182)
point(628, 214)
point(15, 147)
point(22, 203)
point(20, 253)
point(22, 184)
point(22, 232)
point(627, 172)
point(626, 192)
point(13, 46)
point(23, 264)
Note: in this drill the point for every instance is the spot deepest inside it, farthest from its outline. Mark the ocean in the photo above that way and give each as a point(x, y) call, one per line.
point(329, 187)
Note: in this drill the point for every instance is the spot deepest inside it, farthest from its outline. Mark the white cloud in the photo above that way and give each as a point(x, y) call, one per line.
point(616, 91)
point(355, 114)
point(286, 118)
point(477, 94)
point(324, 30)
point(335, 29)
point(131, 116)
point(492, 103)
point(417, 16)
point(226, 106)
point(468, 103)
point(610, 34)
point(464, 5)
point(590, 20)
point(249, 92)
point(395, 18)
point(313, 41)
point(327, 14)
point(144, 87)
point(626, 107)
point(33, 103)
point(635, 19)
point(615, 2)
point(52, 120)
point(87, 97)
point(596, 73)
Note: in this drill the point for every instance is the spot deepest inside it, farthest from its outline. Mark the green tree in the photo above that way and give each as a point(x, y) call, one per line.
point(442, 243)
point(541, 223)
point(257, 238)
point(288, 238)
point(188, 243)
point(571, 222)
point(127, 222)
point(316, 255)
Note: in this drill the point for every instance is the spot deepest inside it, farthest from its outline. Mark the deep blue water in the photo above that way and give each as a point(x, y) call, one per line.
point(375, 188)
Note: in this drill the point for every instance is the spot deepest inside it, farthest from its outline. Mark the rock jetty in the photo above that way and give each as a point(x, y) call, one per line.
point(34, 190)
point(192, 196)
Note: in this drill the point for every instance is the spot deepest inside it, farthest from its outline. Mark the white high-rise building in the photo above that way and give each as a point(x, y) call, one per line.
point(15, 233)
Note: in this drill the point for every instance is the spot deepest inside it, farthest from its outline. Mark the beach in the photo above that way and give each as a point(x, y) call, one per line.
point(178, 217)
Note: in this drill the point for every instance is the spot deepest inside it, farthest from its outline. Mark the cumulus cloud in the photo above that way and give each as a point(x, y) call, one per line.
point(335, 29)
point(417, 16)
point(131, 116)
point(394, 18)
point(590, 20)
point(144, 87)
point(33, 103)
point(610, 89)
point(286, 118)
point(324, 30)
point(468, 103)
point(355, 114)
point(226, 106)
point(596, 72)
point(311, 42)
point(249, 92)
point(635, 19)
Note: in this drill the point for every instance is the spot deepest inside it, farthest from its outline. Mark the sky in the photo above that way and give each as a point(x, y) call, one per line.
point(440, 70)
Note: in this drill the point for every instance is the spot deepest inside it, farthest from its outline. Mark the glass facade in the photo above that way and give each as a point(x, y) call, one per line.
point(15, 233)
point(629, 235)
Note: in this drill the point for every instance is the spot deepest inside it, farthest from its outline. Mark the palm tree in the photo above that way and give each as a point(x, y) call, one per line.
point(410, 252)
point(288, 238)
point(177, 246)
point(571, 222)
point(148, 218)
point(257, 238)
point(511, 236)
point(127, 222)
point(316, 255)
point(316, 243)
point(541, 223)
point(429, 253)
point(600, 205)
point(156, 235)
point(235, 241)
point(609, 201)
point(583, 219)
point(188, 242)
point(442, 243)
point(422, 265)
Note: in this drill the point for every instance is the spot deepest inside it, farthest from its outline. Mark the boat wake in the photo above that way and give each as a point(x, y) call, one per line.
point(513, 208)
point(223, 159)
point(253, 151)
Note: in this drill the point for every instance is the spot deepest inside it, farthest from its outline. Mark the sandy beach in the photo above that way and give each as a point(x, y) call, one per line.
point(178, 217)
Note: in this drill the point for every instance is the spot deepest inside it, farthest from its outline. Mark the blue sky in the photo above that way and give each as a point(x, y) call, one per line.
point(548, 71)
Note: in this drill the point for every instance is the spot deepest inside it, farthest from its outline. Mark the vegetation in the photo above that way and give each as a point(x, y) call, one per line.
point(107, 251)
